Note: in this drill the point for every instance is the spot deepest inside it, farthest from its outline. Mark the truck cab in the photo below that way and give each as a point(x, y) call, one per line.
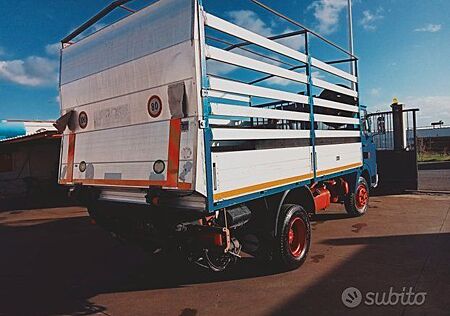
point(369, 150)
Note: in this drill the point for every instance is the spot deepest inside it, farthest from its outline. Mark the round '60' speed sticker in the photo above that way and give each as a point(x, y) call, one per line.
point(154, 106)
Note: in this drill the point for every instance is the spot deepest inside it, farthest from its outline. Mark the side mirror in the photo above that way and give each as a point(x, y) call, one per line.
point(366, 122)
point(381, 125)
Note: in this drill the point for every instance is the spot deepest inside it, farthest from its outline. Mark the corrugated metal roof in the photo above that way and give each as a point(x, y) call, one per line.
point(16, 128)
point(29, 137)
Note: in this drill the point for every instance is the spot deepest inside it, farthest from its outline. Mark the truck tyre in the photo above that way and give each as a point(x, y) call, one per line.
point(293, 237)
point(357, 202)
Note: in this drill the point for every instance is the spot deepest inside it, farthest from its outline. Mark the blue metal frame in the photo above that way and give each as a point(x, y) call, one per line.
point(311, 108)
point(207, 133)
point(358, 170)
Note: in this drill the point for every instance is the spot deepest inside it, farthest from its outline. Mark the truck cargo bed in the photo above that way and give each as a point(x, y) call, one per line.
point(153, 111)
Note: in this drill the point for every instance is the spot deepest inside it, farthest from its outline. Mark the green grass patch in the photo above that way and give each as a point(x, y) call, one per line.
point(430, 157)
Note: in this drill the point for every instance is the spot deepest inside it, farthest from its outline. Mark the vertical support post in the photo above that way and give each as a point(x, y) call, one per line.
point(353, 63)
point(309, 92)
point(416, 184)
point(350, 39)
point(397, 120)
point(207, 133)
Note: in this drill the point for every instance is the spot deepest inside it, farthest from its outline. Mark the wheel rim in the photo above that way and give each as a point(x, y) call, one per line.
point(297, 237)
point(362, 196)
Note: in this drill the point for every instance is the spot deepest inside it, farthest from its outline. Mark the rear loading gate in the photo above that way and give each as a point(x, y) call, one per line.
point(133, 91)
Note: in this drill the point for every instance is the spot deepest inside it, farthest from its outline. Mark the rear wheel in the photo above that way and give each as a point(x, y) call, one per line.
point(293, 238)
point(357, 202)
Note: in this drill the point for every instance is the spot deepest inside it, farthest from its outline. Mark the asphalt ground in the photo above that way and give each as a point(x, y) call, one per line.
point(55, 262)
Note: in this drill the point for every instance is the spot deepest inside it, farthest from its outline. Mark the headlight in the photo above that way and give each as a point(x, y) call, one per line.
point(159, 166)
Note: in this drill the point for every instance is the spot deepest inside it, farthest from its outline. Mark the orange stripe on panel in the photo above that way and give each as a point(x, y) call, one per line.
point(117, 182)
point(260, 187)
point(70, 157)
point(174, 152)
point(343, 168)
point(272, 184)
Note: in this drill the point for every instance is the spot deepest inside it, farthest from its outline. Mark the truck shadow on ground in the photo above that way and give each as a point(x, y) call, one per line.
point(57, 267)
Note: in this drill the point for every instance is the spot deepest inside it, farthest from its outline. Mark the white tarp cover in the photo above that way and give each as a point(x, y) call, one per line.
point(159, 26)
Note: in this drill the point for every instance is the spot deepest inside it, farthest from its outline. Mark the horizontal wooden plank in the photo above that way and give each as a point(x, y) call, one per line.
point(333, 70)
point(228, 96)
point(335, 119)
point(333, 87)
point(217, 121)
point(335, 105)
point(246, 89)
point(249, 133)
point(250, 63)
point(232, 29)
point(337, 133)
point(247, 111)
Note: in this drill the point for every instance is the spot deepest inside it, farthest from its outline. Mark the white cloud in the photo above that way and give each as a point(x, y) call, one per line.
point(327, 13)
point(251, 21)
point(35, 70)
point(218, 68)
point(318, 75)
point(31, 71)
point(432, 28)
point(96, 27)
point(370, 18)
point(295, 42)
point(279, 81)
point(432, 108)
point(53, 49)
point(375, 92)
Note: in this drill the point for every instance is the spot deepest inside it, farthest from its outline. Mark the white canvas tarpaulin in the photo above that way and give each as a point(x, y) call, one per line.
point(159, 26)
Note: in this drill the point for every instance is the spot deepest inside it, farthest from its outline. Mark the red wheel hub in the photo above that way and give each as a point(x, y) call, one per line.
point(297, 237)
point(362, 196)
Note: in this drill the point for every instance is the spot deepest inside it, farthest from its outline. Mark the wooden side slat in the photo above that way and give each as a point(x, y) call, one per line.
point(250, 63)
point(335, 105)
point(232, 29)
point(333, 70)
point(248, 111)
point(249, 134)
point(246, 89)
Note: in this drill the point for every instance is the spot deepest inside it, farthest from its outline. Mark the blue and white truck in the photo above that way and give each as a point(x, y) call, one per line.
point(168, 150)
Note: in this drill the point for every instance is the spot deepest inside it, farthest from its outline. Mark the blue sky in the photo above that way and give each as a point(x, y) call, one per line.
point(403, 46)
